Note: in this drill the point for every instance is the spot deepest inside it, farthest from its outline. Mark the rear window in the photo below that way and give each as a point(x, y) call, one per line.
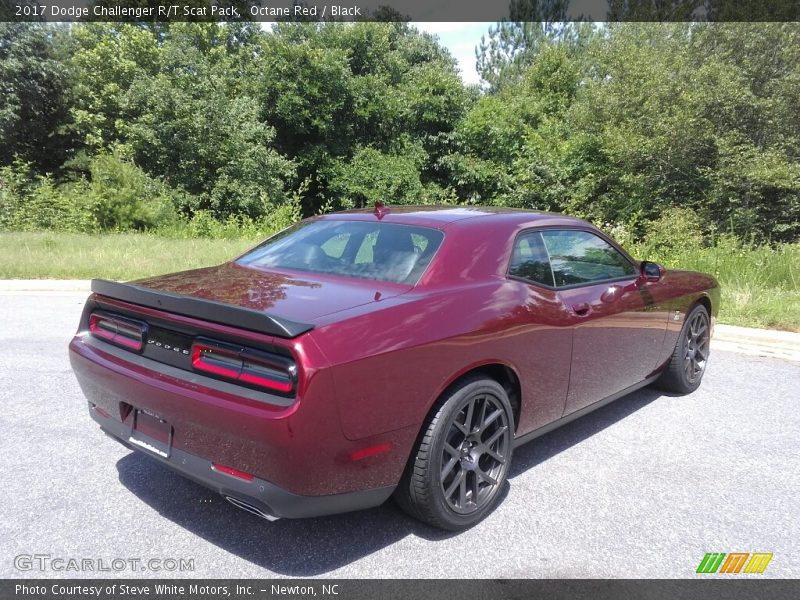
point(379, 251)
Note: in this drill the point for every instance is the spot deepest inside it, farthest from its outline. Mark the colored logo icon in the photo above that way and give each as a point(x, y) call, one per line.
point(734, 562)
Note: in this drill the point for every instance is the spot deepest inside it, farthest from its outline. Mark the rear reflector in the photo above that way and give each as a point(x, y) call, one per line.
point(247, 366)
point(100, 411)
point(371, 451)
point(232, 472)
point(117, 330)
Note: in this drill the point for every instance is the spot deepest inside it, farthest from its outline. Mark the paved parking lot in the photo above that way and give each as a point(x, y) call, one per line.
point(641, 488)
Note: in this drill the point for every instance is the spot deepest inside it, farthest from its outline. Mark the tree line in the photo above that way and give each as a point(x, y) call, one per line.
point(109, 126)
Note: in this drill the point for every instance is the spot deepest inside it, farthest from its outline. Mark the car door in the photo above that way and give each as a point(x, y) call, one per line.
point(618, 328)
point(544, 341)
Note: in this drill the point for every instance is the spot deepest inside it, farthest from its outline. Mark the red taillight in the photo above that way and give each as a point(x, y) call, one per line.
point(216, 361)
point(264, 376)
point(123, 332)
point(232, 472)
point(246, 366)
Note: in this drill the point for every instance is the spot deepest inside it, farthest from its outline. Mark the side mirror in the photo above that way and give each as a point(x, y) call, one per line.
point(650, 271)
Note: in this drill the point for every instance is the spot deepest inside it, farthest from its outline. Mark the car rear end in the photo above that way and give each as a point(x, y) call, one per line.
point(200, 387)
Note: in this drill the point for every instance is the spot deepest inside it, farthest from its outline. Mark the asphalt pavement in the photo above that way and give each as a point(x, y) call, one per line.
point(643, 487)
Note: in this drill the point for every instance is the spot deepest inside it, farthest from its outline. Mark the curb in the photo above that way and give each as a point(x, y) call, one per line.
point(45, 285)
point(757, 342)
point(729, 338)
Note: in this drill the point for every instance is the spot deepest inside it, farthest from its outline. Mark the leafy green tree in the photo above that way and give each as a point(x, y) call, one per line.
point(694, 116)
point(106, 59)
point(335, 90)
point(512, 46)
point(34, 96)
point(196, 127)
point(507, 143)
point(655, 10)
point(630, 123)
point(372, 176)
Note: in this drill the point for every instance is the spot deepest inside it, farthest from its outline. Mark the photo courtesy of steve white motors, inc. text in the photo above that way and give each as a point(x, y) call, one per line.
point(171, 589)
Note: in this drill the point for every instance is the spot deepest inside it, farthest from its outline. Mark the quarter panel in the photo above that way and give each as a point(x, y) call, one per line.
point(390, 366)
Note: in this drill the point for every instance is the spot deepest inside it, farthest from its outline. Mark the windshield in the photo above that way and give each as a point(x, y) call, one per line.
point(379, 251)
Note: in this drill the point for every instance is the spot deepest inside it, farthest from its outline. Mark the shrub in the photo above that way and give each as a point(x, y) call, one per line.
point(676, 231)
point(123, 197)
point(29, 202)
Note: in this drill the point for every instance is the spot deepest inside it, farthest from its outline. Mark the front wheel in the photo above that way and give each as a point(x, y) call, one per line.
point(690, 357)
point(459, 467)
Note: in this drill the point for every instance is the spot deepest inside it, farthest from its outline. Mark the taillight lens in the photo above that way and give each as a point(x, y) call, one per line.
point(117, 330)
point(251, 367)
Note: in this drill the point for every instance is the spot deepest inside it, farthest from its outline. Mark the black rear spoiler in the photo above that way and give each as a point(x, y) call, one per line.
point(207, 310)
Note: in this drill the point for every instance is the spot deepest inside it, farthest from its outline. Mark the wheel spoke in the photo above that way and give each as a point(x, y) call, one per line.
point(449, 467)
point(496, 455)
point(455, 483)
point(451, 451)
point(462, 490)
point(492, 418)
point(475, 485)
point(468, 418)
point(482, 423)
point(486, 477)
point(496, 435)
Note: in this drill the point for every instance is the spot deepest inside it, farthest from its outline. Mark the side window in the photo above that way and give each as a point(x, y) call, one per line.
point(582, 257)
point(529, 259)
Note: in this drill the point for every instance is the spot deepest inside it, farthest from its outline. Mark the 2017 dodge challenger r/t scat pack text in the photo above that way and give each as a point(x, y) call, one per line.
point(401, 351)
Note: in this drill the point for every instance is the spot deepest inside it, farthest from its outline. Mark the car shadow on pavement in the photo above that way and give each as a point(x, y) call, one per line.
point(310, 547)
point(300, 548)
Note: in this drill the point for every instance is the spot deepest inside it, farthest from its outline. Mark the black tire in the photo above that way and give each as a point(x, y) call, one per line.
point(690, 357)
point(459, 466)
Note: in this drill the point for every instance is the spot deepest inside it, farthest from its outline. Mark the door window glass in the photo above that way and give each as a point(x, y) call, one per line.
point(581, 257)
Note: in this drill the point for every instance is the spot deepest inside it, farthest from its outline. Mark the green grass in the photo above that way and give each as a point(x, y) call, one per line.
point(759, 286)
point(123, 256)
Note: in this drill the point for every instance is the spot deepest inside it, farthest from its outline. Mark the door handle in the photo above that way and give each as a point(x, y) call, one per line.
point(580, 309)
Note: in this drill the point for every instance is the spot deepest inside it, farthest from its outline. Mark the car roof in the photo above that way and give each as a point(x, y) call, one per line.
point(442, 217)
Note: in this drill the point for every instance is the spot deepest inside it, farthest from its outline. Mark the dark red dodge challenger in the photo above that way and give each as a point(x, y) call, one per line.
point(401, 351)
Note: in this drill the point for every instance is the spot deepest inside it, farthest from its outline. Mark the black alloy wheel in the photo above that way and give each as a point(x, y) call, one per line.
point(689, 359)
point(697, 342)
point(456, 474)
point(474, 455)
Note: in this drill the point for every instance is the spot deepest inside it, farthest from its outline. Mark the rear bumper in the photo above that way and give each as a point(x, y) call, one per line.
point(302, 463)
point(268, 500)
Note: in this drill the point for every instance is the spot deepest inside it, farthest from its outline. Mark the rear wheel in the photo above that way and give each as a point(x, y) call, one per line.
point(690, 357)
point(459, 466)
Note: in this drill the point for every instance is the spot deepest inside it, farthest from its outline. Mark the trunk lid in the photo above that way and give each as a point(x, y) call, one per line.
point(302, 297)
